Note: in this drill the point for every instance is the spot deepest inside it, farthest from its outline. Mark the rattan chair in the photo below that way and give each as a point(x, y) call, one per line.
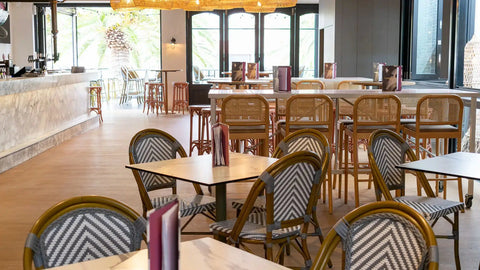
point(292, 185)
point(381, 235)
point(150, 145)
point(132, 85)
point(387, 149)
point(248, 119)
point(310, 84)
point(370, 112)
point(439, 118)
point(301, 140)
point(81, 229)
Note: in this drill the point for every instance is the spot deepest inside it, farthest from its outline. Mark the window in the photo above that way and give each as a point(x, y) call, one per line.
point(206, 46)
point(288, 36)
point(98, 37)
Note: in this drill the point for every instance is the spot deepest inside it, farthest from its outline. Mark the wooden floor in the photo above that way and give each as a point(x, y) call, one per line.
point(94, 163)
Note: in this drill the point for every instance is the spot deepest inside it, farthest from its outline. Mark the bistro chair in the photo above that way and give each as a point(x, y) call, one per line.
point(387, 149)
point(151, 145)
point(346, 105)
point(370, 112)
point(310, 84)
point(301, 140)
point(81, 229)
point(292, 185)
point(439, 118)
point(248, 119)
point(381, 235)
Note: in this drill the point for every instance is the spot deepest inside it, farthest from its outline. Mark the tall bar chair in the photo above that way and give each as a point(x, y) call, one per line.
point(438, 118)
point(180, 96)
point(248, 118)
point(96, 100)
point(370, 112)
point(153, 96)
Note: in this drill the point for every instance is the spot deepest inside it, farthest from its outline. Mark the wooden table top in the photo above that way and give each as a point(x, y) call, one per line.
point(201, 254)
point(198, 169)
point(459, 164)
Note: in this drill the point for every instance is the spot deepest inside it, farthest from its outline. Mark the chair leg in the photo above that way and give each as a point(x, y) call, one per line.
point(355, 170)
point(456, 240)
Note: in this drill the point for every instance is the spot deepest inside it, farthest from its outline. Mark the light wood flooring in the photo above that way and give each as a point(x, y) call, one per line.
point(94, 163)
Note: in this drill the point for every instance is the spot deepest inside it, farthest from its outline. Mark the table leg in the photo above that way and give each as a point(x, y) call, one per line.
point(221, 204)
point(166, 93)
point(213, 110)
point(473, 129)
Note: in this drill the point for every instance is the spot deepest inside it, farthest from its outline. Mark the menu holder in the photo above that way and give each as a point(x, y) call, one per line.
point(330, 71)
point(392, 78)
point(252, 71)
point(163, 232)
point(282, 77)
point(238, 71)
point(378, 71)
point(220, 152)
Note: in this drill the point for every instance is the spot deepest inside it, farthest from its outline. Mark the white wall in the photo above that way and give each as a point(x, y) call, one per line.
point(326, 21)
point(173, 25)
point(22, 32)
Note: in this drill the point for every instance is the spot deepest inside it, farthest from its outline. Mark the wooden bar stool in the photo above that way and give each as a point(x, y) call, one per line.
point(153, 96)
point(96, 100)
point(180, 96)
point(196, 110)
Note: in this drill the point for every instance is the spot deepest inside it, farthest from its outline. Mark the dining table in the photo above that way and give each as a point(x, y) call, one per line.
point(377, 84)
point(201, 254)
point(330, 83)
point(337, 95)
point(458, 164)
point(200, 170)
point(237, 84)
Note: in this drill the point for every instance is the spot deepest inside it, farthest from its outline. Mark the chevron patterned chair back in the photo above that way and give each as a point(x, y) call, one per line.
point(151, 145)
point(81, 229)
point(387, 149)
point(292, 185)
point(381, 235)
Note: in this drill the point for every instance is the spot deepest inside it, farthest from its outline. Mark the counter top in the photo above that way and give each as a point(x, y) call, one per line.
point(26, 84)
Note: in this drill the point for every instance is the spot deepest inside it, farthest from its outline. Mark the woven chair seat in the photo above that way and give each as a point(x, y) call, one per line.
point(258, 206)
point(432, 128)
point(282, 123)
point(254, 228)
point(431, 208)
point(247, 129)
point(189, 205)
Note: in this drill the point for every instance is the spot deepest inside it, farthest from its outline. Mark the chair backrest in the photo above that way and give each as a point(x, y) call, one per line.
point(151, 145)
point(440, 110)
point(387, 235)
point(292, 185)
point(303, 140)
point(310, 111)
point(349, 85)
point(245, 110)
point(377, 110)
point(310, 84)
point(83, 228)
point(386, 149)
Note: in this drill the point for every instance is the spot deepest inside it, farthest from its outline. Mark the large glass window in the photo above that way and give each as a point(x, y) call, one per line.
point(276, 40)
point(205, 46)
point(308, 51)
point(98, 37)
point(241, 38)
point(287, 37)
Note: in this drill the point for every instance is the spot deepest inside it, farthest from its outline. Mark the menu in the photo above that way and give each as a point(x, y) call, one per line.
point(238, 71)
point(392, 78)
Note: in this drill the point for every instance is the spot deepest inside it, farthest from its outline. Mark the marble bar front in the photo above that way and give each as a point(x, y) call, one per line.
point(38, 113)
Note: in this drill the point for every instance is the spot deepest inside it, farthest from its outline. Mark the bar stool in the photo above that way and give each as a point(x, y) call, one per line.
point(196, 110)
point(439, 118)
point(96, 100)
point(180, 96)
point(153, 95)
point(205, 142)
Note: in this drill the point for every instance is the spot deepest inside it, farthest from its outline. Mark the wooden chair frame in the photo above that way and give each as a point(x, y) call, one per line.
point(310, 84)
point(333, 238)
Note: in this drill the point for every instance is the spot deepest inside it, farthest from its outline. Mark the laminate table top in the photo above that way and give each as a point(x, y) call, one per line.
point(458, 164)
point(201, 254)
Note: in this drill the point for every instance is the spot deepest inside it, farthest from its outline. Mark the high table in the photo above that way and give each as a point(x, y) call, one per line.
point(458, 164)
point(215, 94)
point(198, 169)
point(201, 254)
point(165, 82)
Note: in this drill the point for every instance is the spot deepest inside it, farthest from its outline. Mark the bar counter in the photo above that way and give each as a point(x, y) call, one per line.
point(37, 113)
